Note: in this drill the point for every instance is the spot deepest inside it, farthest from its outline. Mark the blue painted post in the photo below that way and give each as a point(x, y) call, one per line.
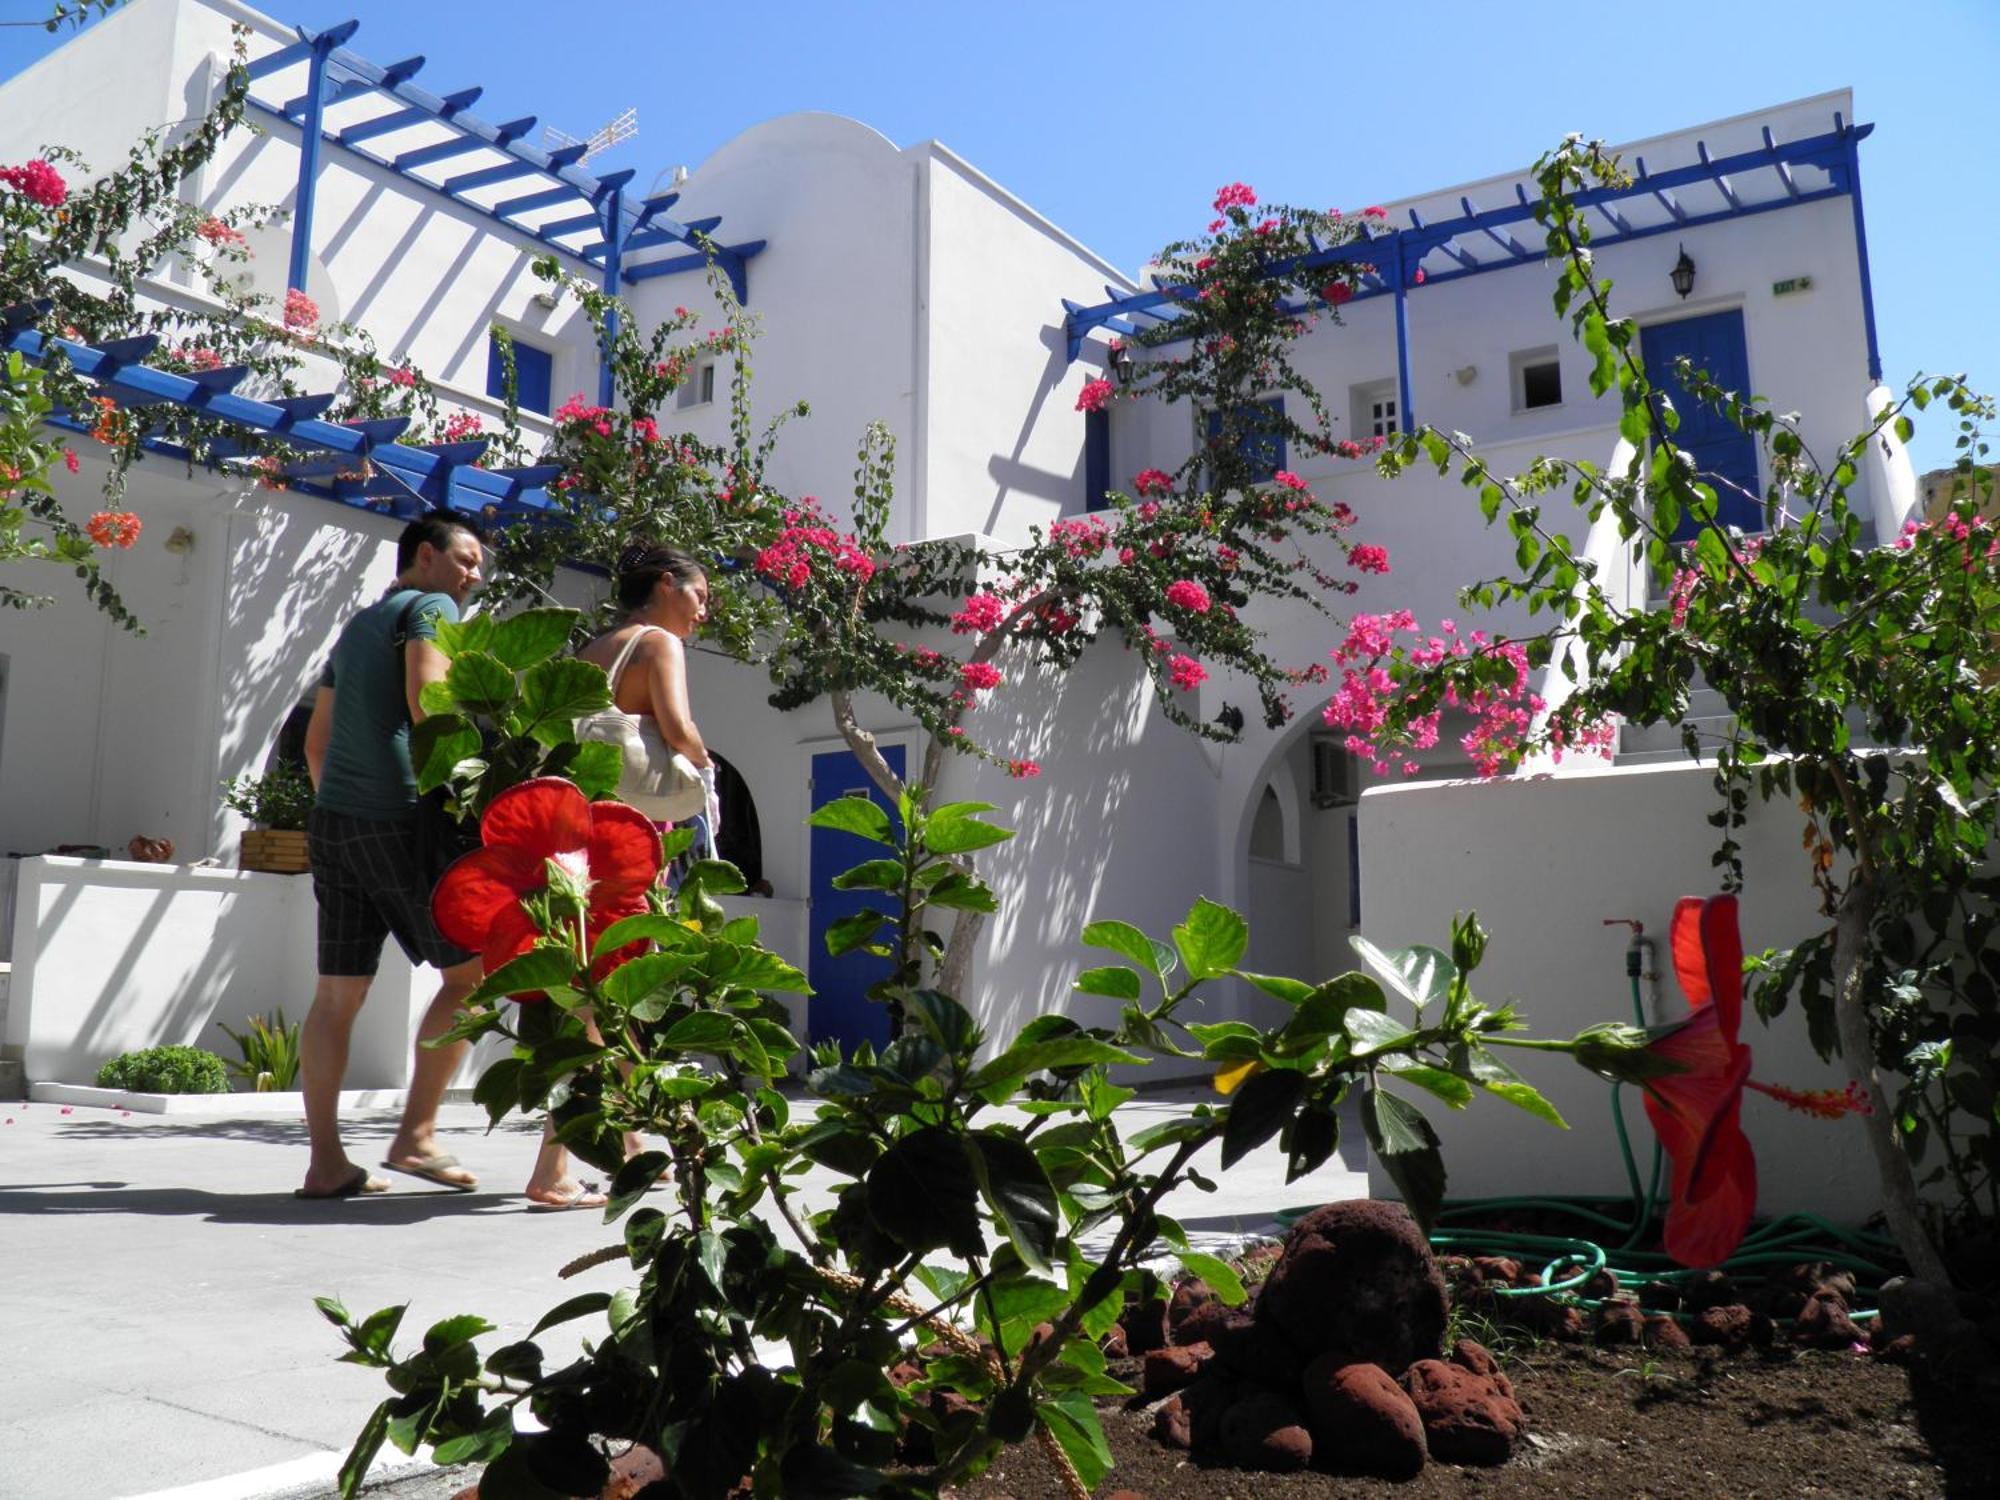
point(1861, 250)
point(614, 253)
point(309, 137)
point(1407, 416)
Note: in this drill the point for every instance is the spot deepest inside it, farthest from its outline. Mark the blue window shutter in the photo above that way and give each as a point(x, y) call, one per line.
point(1096, 459)
point(534, 375)
point(1265, 450)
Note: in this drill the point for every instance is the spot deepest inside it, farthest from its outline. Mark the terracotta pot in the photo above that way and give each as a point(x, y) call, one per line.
point(281, 851)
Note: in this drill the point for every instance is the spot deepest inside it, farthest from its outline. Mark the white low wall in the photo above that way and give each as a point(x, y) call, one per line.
point(110, 956)
point(1544, 861)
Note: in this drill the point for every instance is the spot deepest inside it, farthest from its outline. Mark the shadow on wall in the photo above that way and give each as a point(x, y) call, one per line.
point(292, 580)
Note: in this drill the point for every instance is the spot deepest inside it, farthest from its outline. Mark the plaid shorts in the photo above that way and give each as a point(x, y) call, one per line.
point(368, 884)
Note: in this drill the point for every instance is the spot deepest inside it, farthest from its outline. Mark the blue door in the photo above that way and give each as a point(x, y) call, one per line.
point(840, 1006)
point(1721, 451)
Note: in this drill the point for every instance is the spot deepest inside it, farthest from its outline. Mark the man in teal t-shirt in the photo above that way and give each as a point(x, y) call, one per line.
point(368, 879)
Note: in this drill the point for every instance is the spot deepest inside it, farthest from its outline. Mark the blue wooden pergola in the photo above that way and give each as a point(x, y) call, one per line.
point(405, 479)
point(1782, 174)
point(436, 143)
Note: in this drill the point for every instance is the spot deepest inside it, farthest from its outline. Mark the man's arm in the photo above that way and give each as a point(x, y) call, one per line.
point(422, 663)
point(319, 734)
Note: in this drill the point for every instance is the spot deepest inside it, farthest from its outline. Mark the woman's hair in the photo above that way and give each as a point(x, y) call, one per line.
point(644, 564)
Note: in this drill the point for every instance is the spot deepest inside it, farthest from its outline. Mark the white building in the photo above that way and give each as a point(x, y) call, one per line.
point(899, 284)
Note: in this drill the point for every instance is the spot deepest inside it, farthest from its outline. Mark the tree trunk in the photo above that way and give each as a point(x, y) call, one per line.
point(1892, 1164)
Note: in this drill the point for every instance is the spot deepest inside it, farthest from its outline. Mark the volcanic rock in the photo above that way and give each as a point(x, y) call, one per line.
point(1357, 1277)
point(1167, 1370)
point(1266, 1430)
point(1468, 1418)
point(1361, 1421)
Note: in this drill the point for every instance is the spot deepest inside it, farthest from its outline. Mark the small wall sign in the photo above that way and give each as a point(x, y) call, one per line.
point(1791, 284)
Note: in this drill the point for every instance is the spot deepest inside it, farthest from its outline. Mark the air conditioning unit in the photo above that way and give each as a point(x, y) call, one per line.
point(1336, 775)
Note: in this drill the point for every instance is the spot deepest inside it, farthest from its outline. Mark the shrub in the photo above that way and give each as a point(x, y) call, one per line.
point(280, 798)
point(165, 1070)
point(270, 1047)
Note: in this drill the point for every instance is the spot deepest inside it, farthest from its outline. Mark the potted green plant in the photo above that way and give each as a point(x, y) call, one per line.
point(276, 803)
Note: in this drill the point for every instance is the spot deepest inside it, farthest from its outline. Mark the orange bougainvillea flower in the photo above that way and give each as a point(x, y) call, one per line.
point(607, 849)
point(1696, 1112)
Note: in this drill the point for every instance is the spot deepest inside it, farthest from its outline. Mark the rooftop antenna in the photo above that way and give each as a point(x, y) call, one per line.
point(621, 128)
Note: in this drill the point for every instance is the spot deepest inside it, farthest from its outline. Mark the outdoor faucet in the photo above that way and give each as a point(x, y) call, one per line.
point(1639, 962)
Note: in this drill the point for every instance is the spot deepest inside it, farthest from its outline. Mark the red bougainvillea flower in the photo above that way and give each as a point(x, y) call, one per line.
point(609, 850)
point(113, 528)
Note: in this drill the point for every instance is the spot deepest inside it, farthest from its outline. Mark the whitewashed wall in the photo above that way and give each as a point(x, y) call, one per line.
point(1544, 862)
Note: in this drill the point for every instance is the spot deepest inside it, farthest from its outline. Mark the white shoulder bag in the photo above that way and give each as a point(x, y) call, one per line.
point(658, 780)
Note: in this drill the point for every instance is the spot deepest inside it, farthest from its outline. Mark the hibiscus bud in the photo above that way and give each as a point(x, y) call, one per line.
point(1468, 944)
point(1623, 1053)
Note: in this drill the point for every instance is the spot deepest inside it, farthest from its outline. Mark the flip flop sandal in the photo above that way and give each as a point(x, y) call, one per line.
point(584, 1195)
point(357, 1186)
point(432, 1169)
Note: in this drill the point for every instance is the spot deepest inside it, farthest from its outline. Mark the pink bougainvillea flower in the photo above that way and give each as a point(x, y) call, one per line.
point(301, 312)
point(1185, 593)
point(979, 676)
point(38, 182)
point(1235, 195)
point(608, 849)
point(71, 461)
point(1095, 394)
point(1153, 482)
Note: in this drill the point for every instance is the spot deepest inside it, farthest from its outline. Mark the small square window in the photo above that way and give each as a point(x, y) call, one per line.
point(698, 389)
point(534, 375)
point(1260, 439)
point(1377, 410)
point(1537, 380)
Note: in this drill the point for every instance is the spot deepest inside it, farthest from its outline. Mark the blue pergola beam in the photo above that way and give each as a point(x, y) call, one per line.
point(1499, 237)
point(312, 122)
point(570, 225)
point(1831, 153)
point(531, 202)
point(1784, 171)
point(506, 171)
point(458, 145)
point(1464, 258)
point(730, 258)
point(449, 107)
point(299, 51)
point(1716, 175)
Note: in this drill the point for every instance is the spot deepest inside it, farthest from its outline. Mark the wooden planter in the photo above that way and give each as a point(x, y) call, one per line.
point(281, 851)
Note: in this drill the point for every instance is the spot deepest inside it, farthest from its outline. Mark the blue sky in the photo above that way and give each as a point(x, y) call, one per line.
point(1119, 122)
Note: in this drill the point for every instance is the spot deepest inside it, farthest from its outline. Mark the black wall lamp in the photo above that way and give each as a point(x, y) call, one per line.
point(1231, 718)
point(1682, 274)
point(1121, 363)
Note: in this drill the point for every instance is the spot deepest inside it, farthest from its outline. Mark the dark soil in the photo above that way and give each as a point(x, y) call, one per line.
point(1606, 1422)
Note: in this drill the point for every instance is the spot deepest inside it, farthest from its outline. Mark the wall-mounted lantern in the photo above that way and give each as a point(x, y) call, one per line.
point(1120, 359)
point(1682, 274)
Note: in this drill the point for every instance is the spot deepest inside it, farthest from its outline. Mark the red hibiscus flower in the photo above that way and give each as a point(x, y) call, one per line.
point(608, 850)
point(1696, 1112)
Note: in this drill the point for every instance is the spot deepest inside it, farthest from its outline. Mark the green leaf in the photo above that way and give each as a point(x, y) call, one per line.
point(1407, 1147)
point(1455, 1091)
point(960, 892)
point(1420, 975)
point(1291, 991)
point(647, 927)
point(1312, 1137)
point(1260, 1109)
point(1115, 980)
point(703, 1031)
point(1212, 939)
point(1373, 1031)
point(475, 633)
point(596, 767)
point(943, 1019)
point(1219, 1274)
point(857, 815)
point(1020, 1194)
point(1325, 1010)
point(1123, 938)
point(852, 932)
point(554, 694)
point(480, 684)
point(1023, 1058)
point(442, 1335)
point(438, 744)
point(962, 835)
point(545, 968)
point(1072, 1419)
point(872, 875)
point(638, 977)
point(367, 1444)
point(1524, 1096)
point(921, 1195)
point(566, 1312)
point(533, 635)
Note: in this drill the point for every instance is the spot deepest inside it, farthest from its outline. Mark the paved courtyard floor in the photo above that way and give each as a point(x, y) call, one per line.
point(157, 1329)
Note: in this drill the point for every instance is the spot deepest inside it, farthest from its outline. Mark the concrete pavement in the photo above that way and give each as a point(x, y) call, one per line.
point(156, 1314)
